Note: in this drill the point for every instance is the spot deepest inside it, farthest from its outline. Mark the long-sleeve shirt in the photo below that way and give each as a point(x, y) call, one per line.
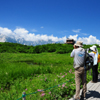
point(78, 55)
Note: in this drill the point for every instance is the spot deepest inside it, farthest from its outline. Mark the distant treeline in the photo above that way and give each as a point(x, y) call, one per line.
point(19, 48)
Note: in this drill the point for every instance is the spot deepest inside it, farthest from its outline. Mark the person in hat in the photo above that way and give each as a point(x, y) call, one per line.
point(94, 54)
point(79, 58)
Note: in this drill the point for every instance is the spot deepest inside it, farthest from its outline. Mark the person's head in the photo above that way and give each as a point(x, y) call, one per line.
point(78, 44)
point(93, 48)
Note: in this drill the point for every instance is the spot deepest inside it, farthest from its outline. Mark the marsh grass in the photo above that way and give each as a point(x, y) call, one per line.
point(33, 72)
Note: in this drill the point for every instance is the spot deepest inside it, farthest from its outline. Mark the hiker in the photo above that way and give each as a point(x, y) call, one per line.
point(94, 54)
point(79, 53)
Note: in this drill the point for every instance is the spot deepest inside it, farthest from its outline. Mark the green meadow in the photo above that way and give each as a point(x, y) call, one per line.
point(42, 76)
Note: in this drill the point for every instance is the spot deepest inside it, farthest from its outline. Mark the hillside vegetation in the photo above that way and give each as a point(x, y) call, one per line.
point(19, 48)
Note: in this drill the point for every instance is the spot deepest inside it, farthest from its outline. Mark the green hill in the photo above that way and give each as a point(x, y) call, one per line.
point(19, 48)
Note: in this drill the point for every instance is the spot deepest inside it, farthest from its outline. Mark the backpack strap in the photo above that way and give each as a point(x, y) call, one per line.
point(85, 59)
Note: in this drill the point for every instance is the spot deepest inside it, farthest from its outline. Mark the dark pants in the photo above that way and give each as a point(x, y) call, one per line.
point(95, 73)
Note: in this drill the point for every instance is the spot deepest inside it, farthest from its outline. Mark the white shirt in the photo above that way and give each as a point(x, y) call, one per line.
point(95, 57)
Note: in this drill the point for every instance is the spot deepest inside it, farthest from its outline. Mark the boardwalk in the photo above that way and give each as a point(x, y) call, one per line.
point(93, 90)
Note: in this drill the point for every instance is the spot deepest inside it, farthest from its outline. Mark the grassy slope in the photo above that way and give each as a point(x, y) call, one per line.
point(28, 72)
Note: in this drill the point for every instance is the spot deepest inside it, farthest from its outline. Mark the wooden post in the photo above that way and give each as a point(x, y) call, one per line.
point(23, 95)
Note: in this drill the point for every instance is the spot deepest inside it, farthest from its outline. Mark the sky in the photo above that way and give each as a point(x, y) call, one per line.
point(51, 19)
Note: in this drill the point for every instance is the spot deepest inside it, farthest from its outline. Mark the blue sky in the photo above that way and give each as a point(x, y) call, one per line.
point(58, 19)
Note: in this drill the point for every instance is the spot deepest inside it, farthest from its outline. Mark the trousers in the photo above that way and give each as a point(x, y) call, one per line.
point(80, 75)
point(95, 73)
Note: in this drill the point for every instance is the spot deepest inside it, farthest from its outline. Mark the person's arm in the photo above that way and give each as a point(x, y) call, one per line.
point(72, 54)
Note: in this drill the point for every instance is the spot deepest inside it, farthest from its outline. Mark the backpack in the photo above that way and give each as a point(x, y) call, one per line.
point(98, 58)
point(88, 61)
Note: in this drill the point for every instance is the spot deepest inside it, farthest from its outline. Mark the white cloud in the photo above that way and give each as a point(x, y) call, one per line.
point(20, 33)
point(86, 40)
point(5, 31)
point(41, 27)
point(33, 37)
point(73, 37)
point(76, 31)
point(23, 33)
point(2, 39)
point(90, 40)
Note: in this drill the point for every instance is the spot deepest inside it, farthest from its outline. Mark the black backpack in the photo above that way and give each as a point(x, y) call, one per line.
point(88, 61)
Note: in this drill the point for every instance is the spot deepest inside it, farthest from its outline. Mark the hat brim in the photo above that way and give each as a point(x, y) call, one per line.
point(78, 45)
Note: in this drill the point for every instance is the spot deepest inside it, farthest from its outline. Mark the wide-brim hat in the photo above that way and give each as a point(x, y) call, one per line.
point(79, 43)
point(93, 48)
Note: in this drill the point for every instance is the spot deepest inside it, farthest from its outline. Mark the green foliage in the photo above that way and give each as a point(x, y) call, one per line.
point(86, 46)
point(50, 72)
point(19, 48)
point(64, 48)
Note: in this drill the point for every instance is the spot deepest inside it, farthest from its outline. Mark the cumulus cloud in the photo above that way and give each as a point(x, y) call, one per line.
point(76, 31)
point(73, 37)
point(33, 37)
point(86, 40)
point(21, 31)
point(25, 34)
point(5, 31)
point(2, 39)
point(57, 39)
point(89, 40)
